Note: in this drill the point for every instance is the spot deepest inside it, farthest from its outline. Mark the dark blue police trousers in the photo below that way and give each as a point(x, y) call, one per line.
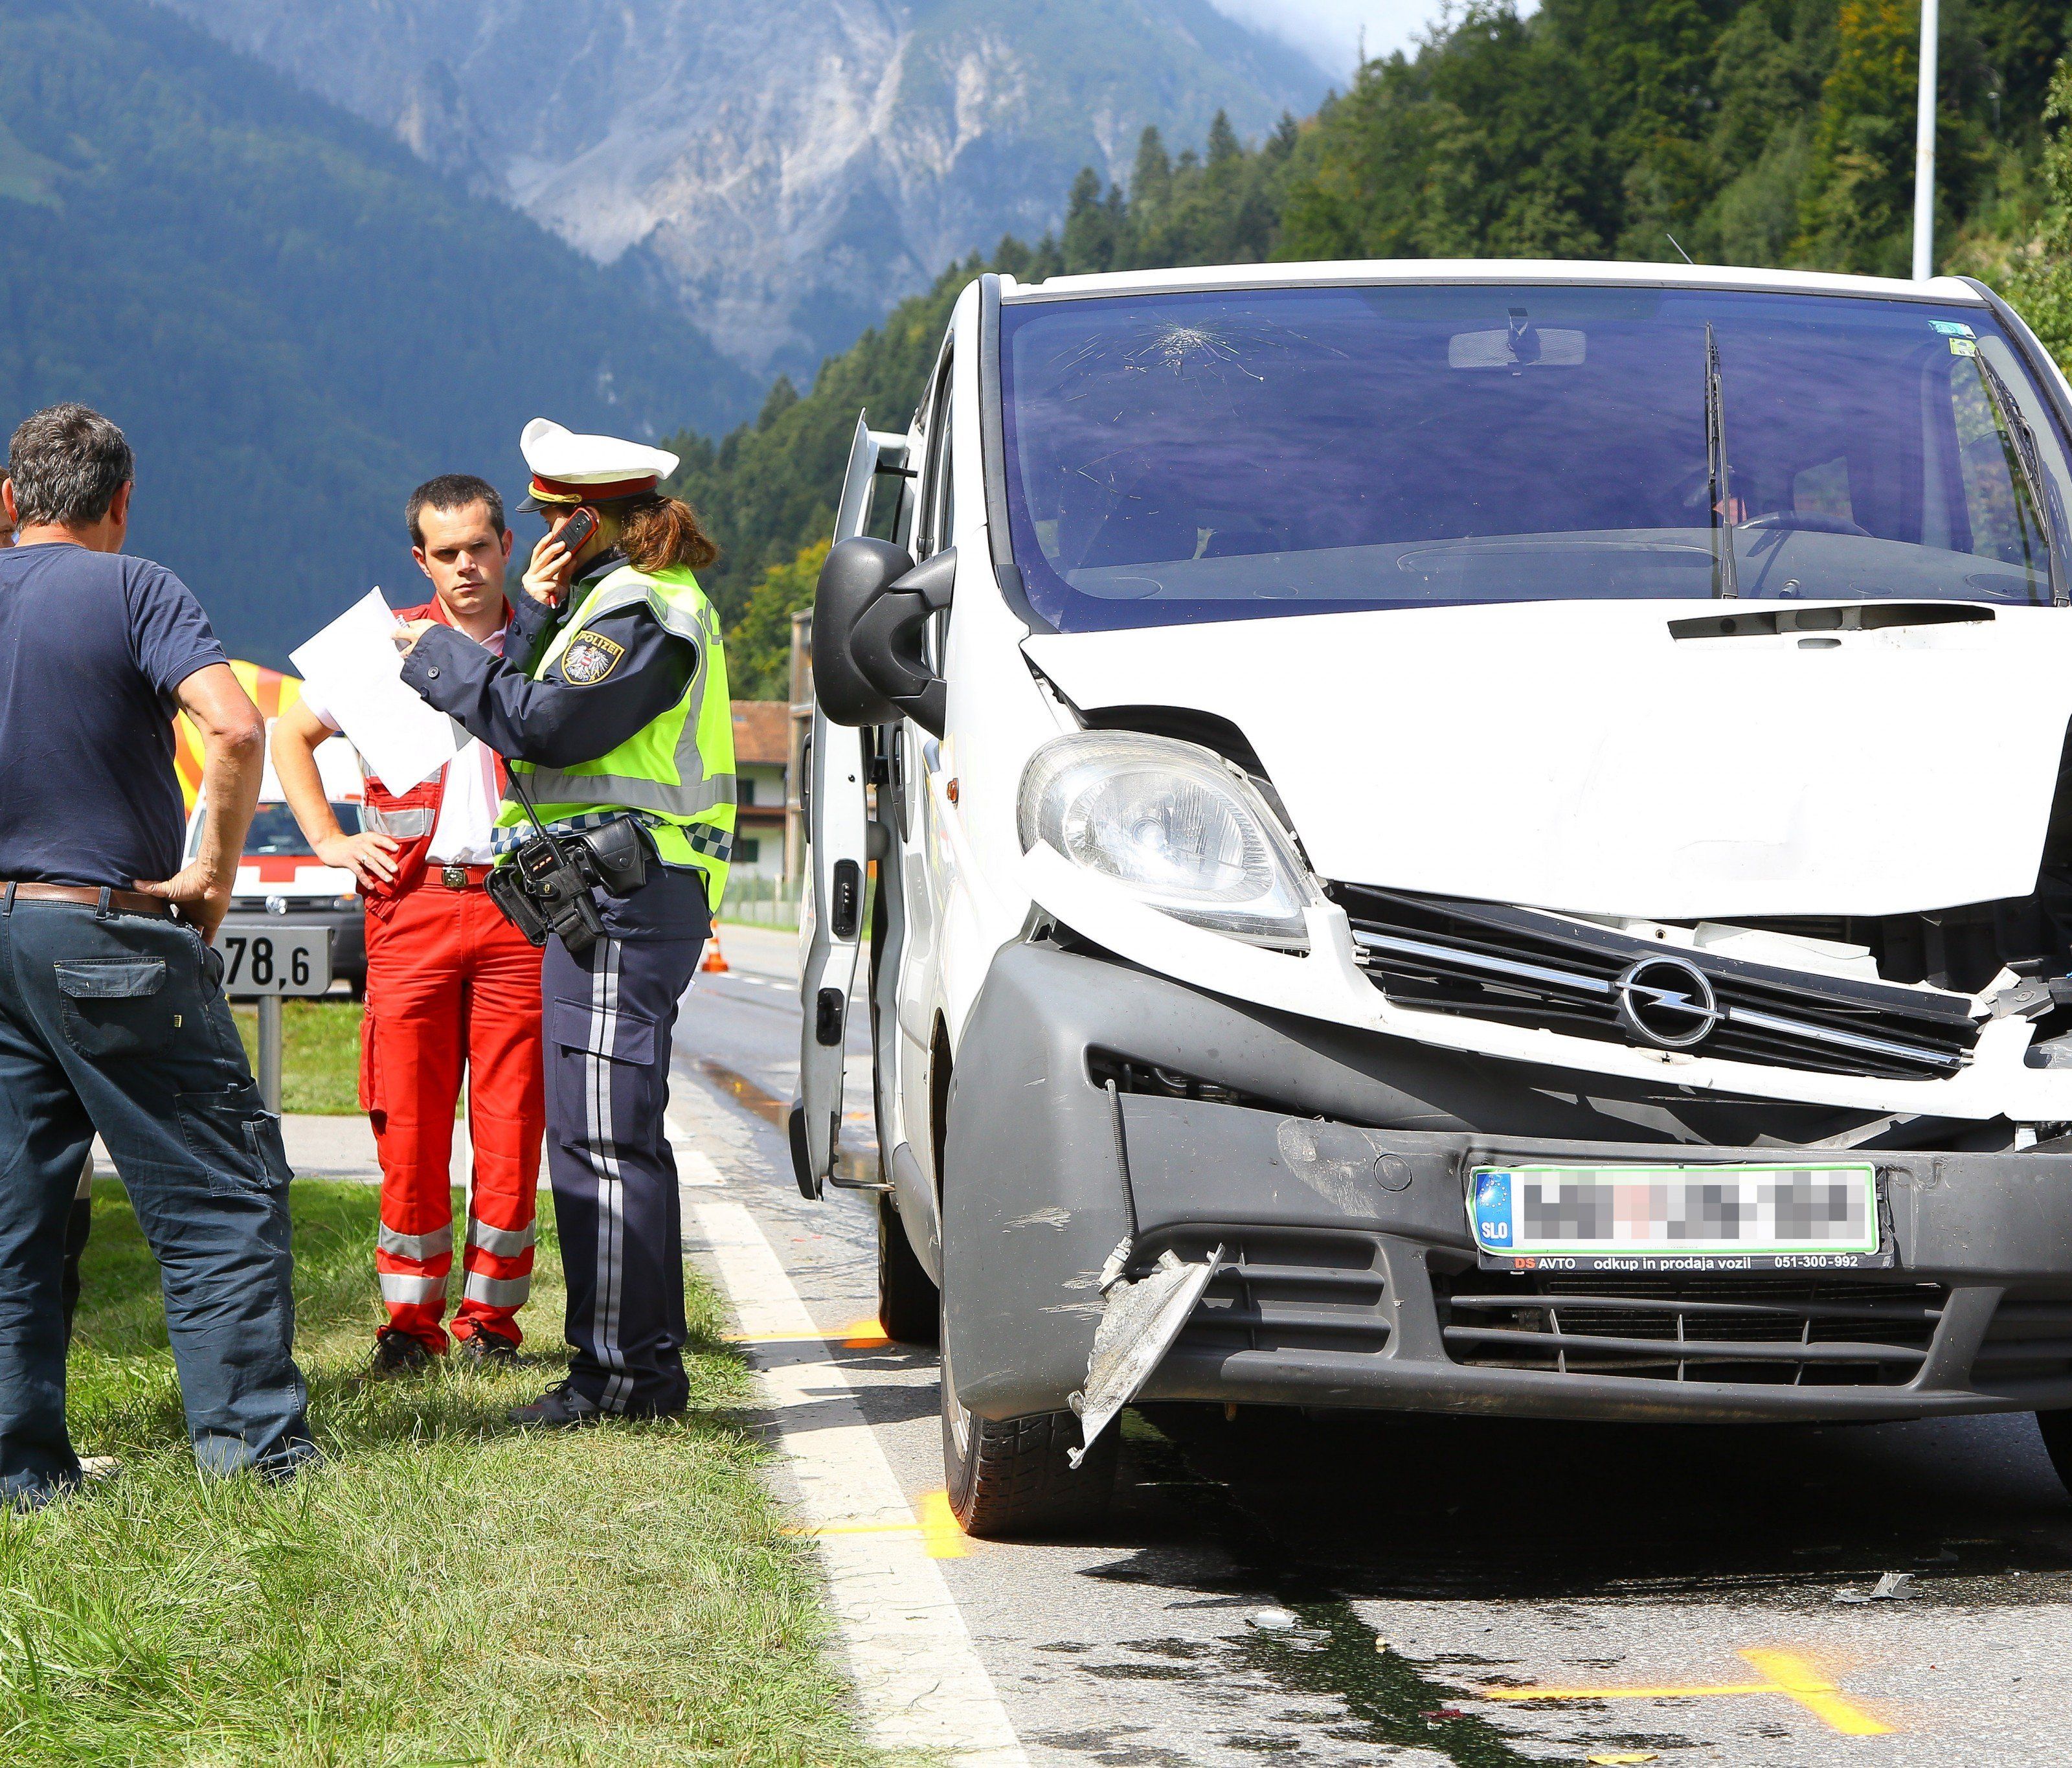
point(114, 1022)
point(610, 1014)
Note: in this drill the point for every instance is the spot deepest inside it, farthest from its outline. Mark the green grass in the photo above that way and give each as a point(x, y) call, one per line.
point(446, 1590)
point(319, 1053)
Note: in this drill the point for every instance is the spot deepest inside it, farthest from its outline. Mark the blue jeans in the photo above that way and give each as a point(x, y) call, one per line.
point(115, 1022)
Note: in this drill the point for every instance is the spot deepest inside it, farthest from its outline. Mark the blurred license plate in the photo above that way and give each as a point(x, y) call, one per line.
point(1792, 1216)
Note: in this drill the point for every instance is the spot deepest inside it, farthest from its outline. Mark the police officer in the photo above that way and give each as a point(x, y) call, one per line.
point(610, 704)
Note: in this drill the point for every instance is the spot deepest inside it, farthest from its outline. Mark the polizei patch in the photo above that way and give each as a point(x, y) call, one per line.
point(590, 658)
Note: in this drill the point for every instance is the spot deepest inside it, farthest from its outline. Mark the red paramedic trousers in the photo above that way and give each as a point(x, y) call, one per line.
point(449, 981)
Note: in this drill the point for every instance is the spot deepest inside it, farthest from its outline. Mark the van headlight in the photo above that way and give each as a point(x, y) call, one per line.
point(1173, 823)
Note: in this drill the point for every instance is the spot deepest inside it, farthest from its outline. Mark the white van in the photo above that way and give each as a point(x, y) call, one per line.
point(280, 874)
point(1481, 837)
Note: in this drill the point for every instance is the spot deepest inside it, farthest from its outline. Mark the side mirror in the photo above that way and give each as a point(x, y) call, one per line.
point(885, 644)
point(858, 572)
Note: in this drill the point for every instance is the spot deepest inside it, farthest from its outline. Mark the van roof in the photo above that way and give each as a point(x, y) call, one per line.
point(1505, 270)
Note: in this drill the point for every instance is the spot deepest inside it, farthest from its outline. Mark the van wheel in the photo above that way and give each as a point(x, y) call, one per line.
point(2056, 1428)
point(1011, 1479)
point(910, 1307)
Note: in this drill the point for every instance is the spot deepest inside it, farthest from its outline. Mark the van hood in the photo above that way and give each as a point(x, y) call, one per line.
point(1665, 760)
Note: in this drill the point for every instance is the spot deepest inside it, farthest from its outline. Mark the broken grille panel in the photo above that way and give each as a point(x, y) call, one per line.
point(1523, 968)
point(1773, 1331)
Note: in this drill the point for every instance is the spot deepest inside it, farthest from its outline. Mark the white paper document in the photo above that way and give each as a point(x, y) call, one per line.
point(357, 671)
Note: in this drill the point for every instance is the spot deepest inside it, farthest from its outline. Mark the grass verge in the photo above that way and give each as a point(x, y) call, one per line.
point(446, 1590)
point(319, 1053)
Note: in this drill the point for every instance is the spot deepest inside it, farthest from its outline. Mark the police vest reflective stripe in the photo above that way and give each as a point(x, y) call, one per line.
point(677, 770)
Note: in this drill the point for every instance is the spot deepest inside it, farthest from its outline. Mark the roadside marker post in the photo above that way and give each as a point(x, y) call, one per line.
point(265, 961)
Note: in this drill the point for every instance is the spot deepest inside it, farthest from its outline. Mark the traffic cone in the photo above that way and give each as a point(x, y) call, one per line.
point(714, 961)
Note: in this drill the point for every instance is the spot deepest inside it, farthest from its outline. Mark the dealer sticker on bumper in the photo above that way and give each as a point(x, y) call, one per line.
point(1794, 1216)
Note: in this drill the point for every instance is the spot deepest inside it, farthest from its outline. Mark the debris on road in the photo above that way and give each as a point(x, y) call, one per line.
point(1272, 1620)
point(1892, 1586)
point(1626, 1755)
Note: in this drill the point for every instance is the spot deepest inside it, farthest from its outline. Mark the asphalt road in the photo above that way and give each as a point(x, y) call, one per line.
point(1428, 1562)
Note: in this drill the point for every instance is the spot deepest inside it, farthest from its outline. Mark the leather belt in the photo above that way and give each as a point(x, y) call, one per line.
point(129, 902)
point(458, 877)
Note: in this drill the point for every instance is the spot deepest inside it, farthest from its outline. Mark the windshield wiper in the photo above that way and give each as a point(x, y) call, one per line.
point(1726, 584)
point(2042, 491)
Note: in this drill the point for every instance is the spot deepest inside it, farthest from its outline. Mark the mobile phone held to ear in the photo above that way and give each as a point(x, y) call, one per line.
point(574, 534)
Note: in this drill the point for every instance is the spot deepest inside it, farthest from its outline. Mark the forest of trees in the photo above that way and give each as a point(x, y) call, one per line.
point(1759, 132)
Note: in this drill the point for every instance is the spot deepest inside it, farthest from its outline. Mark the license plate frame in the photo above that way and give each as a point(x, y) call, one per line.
point(1496, 1198)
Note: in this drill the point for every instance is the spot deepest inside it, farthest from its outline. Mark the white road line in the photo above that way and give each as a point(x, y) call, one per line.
point(921, 1682)
point(693, 1167)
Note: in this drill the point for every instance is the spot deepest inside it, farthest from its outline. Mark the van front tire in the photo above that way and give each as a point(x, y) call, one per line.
point(1010, 1479)
point(910, 1307)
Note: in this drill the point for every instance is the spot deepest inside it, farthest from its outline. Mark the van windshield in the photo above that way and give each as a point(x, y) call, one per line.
point(1232, 453)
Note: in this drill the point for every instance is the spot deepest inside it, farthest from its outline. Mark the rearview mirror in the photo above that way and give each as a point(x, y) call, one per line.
point(869, 610)
point(858, 572)
point(886, 645)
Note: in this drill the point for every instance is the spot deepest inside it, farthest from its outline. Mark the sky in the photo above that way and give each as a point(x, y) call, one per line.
point(1329, 31)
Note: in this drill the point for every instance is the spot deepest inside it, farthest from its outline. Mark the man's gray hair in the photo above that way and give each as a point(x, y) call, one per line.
point(68, 462)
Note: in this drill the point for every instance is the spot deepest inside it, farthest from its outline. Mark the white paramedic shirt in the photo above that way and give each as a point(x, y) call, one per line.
point(463, 835)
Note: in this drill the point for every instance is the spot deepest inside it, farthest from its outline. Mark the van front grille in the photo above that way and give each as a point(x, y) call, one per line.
point(1522, 967)
point(1758, 1328)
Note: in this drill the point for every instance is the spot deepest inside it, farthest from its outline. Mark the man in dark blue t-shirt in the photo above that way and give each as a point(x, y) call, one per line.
point(112, 1017)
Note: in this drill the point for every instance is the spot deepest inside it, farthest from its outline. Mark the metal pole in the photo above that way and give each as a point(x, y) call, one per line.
point(270, 1050)
point(1924, 150)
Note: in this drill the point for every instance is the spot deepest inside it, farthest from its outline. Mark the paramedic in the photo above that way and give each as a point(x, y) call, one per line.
point(449, 982)
point(612, 703)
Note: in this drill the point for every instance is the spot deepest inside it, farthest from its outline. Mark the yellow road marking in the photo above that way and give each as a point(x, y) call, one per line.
point(865, 1335)
point(1784, 1673)
point(1816, 1693)
point(941, 1536)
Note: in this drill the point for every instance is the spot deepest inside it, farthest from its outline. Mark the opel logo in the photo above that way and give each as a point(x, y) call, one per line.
point(1668, 1002)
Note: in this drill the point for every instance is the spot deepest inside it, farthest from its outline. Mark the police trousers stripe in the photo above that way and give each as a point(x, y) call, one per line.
point(404, 1289)
point(496, 1292)
point(506, 1243)
point(604, 1162)
point(420, 1246)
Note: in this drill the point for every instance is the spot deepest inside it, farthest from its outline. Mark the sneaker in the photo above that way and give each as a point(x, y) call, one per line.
point(397, 1354)
point(93, 1469)
point(486, 1351)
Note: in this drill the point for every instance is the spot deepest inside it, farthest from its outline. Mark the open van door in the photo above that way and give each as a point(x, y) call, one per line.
point(837, 838)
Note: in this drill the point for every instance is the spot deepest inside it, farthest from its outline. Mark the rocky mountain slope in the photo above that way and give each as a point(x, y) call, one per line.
point(789, 169)
point(294, 319)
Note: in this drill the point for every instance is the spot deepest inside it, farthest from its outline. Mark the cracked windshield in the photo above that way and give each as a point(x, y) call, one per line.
point(1227, 455)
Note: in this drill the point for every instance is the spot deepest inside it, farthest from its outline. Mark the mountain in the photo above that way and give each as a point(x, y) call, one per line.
point(1763, 131)
point(294, 318)
point(787, 170)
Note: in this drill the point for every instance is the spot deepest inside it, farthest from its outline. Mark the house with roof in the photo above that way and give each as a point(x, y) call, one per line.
point(762, 749)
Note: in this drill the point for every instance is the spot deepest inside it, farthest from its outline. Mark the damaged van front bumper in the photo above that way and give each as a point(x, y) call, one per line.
point(1324, 1171)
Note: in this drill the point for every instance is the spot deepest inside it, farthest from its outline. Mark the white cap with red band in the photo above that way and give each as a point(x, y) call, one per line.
point(569, 469)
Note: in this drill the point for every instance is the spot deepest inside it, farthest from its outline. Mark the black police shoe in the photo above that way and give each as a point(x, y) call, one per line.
point(558, 1409)
point(396, 1355)
point(562, 1406)
point(481, 1349)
